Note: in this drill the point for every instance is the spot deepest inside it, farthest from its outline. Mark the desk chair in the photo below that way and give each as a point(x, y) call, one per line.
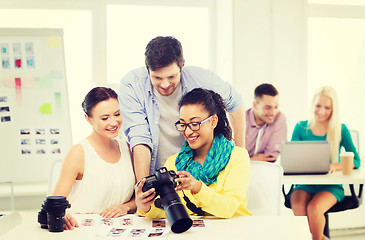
point(54, 175)
point(263, 193)
point(349, 202)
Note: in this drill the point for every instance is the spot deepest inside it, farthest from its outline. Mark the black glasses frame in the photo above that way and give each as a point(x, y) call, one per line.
point(181, 127)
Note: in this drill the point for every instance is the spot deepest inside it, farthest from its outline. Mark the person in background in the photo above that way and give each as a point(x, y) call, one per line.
point(149, 99)
point(314, 200)
point(213, 173)
point(97, 174)
point(265, 125)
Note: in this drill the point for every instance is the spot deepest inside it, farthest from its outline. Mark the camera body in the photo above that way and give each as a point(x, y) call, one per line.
point(52, 214)
point(164, 184)
point(160, 178)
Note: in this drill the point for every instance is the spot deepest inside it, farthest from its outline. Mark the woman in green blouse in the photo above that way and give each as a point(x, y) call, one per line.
point(314, 200)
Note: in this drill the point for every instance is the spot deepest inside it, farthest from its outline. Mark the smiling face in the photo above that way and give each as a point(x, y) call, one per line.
point(266, 109)
point(201, 139)
point(165, 80)
point(106, 118)
point(322, 108)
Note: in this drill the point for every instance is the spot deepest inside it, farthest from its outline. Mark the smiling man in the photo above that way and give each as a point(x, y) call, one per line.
point(265, 125)
point(149, 99)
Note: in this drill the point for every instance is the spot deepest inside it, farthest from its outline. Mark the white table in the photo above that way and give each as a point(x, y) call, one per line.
point(357, 177)
point(247, 227)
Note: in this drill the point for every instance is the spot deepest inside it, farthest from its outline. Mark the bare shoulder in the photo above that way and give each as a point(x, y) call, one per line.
point(75, 156)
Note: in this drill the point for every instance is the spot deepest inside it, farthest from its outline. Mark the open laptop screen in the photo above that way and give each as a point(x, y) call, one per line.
point(305, 157)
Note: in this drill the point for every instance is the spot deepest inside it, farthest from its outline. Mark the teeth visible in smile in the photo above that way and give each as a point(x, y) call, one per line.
point(193, 138)
point(112, 129)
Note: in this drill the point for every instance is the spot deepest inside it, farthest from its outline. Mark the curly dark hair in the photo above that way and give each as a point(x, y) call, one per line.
point(214, 104)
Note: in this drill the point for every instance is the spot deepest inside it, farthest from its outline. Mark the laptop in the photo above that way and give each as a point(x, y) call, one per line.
point(305, 157)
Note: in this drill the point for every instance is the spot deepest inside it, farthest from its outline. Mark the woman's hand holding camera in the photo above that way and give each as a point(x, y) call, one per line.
point(144, 199)
point(187, 182)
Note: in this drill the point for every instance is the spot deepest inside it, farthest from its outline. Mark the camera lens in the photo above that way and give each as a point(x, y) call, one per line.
point(175, 211)
point(42, 218)
point(178, 217)
point(54, 207)
point(176, 214)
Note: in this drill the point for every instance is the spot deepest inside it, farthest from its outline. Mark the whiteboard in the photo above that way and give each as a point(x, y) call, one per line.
point(35, 124)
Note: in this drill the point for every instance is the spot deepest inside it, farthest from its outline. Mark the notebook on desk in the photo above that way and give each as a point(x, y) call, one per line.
point(305, 157)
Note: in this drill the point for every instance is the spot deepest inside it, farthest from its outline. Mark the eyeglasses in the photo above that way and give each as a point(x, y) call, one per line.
point(194, 126)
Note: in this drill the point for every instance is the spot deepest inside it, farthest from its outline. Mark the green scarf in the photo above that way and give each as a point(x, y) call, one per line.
point(217, 159)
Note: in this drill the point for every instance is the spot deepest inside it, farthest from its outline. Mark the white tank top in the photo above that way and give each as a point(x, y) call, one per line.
point(103, 184)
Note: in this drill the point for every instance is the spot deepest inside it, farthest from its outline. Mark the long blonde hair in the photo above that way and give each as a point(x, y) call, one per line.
point(334, 124)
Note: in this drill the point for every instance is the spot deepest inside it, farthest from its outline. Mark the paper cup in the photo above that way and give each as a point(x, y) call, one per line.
point(347, 160)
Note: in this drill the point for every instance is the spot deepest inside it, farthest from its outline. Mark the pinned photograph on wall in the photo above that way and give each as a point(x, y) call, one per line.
point(40, 141)
point(4, 109)
point(5, 63)
point(29, 48)
point(54, 141)
point(41, 151)
point(25, 131)
point(4, 99)
point(4, 49)
point(54, 131)
point(30, 62)
point(56, 151)
point(18, 62)
point(25, 141)
point(17, 49)
point(26, 151)
point(5, 119)
point(40, 131)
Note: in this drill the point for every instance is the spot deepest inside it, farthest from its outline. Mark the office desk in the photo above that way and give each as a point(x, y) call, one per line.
point(357, 177)
point(247, 227)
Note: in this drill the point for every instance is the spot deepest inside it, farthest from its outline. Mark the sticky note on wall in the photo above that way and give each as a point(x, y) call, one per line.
point(46, 108)
point(46, 82)
point(54, 42)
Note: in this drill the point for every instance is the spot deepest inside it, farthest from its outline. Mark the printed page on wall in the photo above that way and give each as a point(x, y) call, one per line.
point(35, 127)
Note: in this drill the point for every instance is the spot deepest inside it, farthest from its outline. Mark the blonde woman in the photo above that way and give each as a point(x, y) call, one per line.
point(314, 200)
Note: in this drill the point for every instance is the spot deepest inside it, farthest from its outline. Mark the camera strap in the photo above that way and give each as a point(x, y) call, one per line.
point(192, 206)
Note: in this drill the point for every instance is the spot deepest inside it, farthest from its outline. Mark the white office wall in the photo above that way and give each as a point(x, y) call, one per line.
point(269, 42)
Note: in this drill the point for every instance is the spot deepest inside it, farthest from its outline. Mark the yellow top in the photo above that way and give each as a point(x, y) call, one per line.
point(226, 197)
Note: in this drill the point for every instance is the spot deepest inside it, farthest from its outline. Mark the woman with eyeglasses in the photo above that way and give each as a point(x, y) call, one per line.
point(212, 173)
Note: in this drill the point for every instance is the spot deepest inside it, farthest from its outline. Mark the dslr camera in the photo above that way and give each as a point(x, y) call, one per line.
point(164, 184)
point(52, 214)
